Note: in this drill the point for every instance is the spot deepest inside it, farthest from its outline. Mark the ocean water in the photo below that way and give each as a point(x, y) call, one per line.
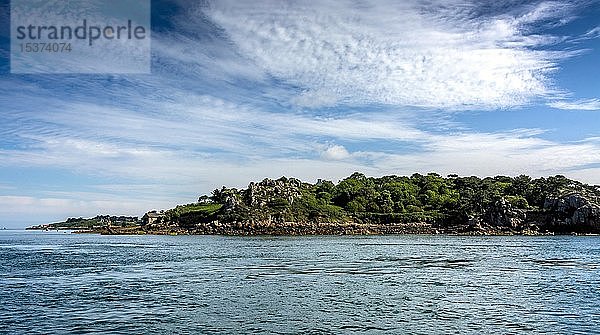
point(57, 283)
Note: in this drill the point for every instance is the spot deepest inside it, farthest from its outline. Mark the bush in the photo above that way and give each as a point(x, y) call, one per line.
point(517, 201)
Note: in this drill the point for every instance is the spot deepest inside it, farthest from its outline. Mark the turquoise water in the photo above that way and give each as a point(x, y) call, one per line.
point(57, 283)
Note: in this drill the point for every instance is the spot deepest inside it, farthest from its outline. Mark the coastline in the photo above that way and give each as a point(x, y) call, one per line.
point(360, 205)
point(318, 230)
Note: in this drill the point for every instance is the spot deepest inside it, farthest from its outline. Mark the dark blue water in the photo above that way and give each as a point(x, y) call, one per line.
point(55, 283)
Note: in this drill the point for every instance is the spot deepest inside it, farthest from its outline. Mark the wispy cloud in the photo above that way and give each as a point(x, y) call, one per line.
point(253, 144)
point(237, 87)
point(593, 33)
point(155, 177)
point(397, 53)
point(584, 104)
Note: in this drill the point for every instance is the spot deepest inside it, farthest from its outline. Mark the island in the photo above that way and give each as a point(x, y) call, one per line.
point(417, 204)
point(96, 223)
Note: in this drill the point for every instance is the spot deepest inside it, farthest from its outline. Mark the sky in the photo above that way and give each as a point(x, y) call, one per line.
point(244, 90)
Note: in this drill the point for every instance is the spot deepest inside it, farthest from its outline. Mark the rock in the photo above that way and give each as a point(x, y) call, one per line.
point(502, 214)
point(588, 214)
point(231, 202)
point(268, 190)
point(573, 212)
point(566, 204)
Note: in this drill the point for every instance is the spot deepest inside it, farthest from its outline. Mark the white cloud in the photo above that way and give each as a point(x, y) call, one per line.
point(335, 152)
point(491, 154)
point(395, 52)
point(161, 178)
point(196, 143)
point(182, 169)
point(163, 143)
point(584, 105)
point(593, 33)
point(204, 123)
point(547, 10)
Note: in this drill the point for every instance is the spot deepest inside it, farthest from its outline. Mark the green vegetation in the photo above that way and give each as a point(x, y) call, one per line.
point(360, 204)
point(92, 223)
point(190, 214)
point(210, 208)
point(77, 223)
point(427, 198)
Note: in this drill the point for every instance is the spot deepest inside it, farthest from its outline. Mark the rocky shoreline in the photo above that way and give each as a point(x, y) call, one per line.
point(329, 231)
point(304, 229)
point(360, 205)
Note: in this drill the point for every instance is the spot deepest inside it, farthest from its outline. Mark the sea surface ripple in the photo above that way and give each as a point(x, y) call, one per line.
point(58, 283)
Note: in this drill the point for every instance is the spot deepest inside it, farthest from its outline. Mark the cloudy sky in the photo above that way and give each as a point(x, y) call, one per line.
point(243, 90)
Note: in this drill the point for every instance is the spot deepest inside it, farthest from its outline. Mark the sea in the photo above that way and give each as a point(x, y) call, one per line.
point(62, 283)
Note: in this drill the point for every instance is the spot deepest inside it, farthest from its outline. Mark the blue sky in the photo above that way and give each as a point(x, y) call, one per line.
point(240, 91)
